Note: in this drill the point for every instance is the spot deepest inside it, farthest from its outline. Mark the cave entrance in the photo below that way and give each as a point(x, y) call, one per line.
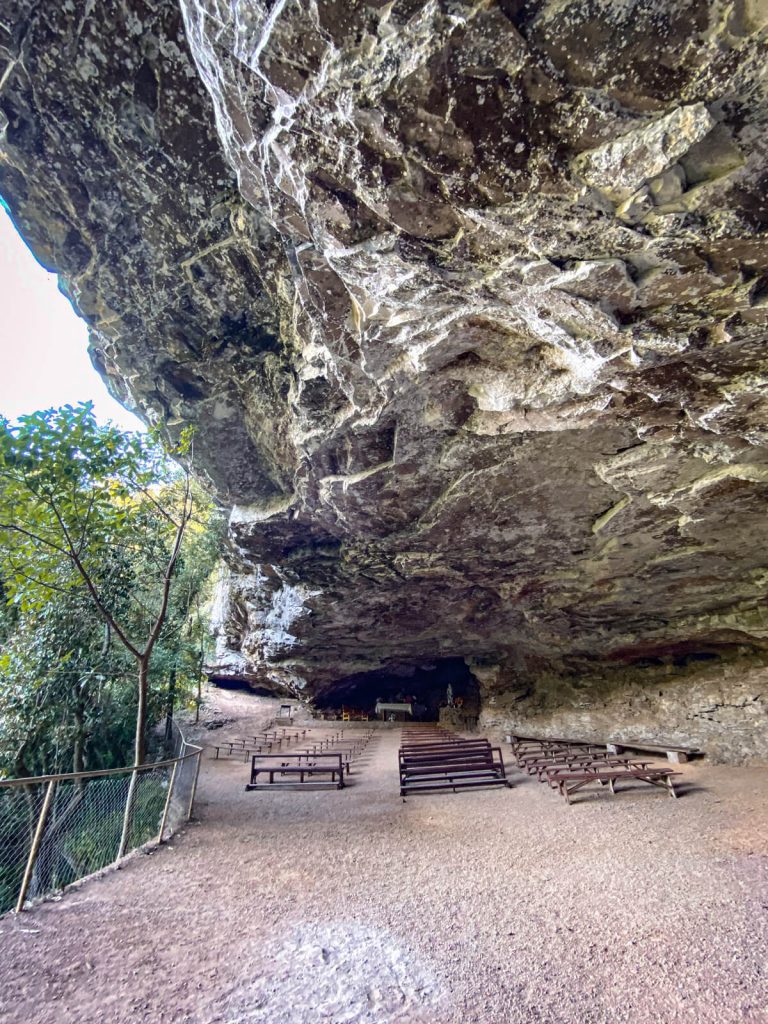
point(235, 683)
point(425, 684)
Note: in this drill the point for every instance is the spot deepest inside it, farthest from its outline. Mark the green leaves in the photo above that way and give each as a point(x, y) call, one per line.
point(72, 490)
point(103, 522)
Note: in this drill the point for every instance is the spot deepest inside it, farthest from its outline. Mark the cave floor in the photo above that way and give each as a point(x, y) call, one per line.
point(491, 907)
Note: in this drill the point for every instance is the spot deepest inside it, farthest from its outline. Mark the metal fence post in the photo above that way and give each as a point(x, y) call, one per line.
point(194, 784)
point(34, 849)
point(167, 802)
point(127, 816)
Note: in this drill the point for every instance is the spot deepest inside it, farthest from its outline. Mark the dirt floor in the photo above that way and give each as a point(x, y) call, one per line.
point(489, 907)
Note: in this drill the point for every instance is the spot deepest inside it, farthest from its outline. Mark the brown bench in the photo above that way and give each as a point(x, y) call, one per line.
point(306, 766)
point(542, 769)
point(529, 756)
point(445, 756)
point(347, 757)
point(453, 767)
point(241, 748)
point(569, 782)
point(677, 755)
point(549, 772)
point(445, 745)
point(673, 753)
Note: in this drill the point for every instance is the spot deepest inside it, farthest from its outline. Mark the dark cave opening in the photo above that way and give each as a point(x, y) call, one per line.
point(425, 684)
point(234, 683)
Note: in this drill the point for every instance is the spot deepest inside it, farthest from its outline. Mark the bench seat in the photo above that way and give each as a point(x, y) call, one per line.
point(677, 755)
point(304, 766)
point(570, 782)
point(451, 766)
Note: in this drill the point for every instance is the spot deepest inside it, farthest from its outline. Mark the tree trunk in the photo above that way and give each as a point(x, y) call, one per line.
point(141, 713)
point(78, 754)
point(169, 702)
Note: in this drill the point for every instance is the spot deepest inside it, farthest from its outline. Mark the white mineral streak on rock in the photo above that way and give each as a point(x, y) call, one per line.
point(242, 515)
point(619, 168)
point(749, 473)
point(288, 606)
point(394, 305)
point(223, 616)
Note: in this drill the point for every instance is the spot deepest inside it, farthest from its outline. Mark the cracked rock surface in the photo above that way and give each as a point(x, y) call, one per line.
point(468, 301)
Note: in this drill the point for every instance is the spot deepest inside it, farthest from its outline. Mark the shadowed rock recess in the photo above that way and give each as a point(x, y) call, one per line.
point(468, 302)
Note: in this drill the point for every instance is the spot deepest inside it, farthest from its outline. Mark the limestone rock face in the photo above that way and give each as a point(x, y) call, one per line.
point(468, 301)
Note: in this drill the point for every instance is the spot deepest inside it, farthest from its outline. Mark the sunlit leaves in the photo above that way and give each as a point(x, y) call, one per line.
point(99, 521)
point(73, 489)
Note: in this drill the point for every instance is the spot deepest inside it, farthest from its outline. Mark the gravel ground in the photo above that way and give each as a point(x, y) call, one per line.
point(493, 907)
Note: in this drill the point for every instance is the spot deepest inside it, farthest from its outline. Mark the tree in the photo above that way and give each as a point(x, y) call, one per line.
point(82, 506)
point(66, 692)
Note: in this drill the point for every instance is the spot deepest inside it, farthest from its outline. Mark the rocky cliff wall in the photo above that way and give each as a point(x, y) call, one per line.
point(720, 709)
point(467, 300)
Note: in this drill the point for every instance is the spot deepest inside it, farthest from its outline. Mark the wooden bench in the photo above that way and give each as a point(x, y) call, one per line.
point(451, 768)
point(673, 753)
point(549, 772)
point(318, 748)
point(448, 745)
point(347, 756)
point(578, 762)
point(306, 766)
point(569, 782)
point(241, 748)
point(677, 755)
point(444, 756)
point(516, 741)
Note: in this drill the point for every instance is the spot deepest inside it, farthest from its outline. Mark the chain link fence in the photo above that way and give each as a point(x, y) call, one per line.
point(57, 829)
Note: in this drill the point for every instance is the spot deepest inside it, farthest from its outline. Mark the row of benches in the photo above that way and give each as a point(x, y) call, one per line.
point(257, 743)
point(431, 758)
point(570, 767)
point(323, 762)
point(675, 754)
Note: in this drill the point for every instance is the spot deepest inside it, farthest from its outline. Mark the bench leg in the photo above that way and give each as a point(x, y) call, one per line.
point(670, 787)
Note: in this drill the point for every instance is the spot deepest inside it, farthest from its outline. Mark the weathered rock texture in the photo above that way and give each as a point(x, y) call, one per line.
point(468, 301)
point(720, 709)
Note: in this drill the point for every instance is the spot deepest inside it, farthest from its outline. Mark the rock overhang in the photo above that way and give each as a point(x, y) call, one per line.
point(467, 301)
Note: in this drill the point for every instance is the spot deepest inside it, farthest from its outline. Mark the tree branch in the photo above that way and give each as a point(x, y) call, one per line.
point(36, 537)
point(185, 516)
point(105, 613)
point(32, 579)
point(163, 512)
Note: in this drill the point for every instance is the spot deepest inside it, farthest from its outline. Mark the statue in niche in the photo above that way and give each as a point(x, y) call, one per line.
point(449, 695)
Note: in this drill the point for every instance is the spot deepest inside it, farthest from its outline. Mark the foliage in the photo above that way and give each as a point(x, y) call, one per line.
point(106, 545)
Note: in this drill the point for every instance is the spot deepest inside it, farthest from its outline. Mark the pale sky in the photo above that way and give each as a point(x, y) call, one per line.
point(43, 343)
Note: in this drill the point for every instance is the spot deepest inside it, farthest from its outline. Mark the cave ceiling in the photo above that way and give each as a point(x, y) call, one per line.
point(467, 301)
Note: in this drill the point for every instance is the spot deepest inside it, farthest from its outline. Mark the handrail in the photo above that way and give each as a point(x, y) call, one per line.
point(30, 780)
point(190, 752)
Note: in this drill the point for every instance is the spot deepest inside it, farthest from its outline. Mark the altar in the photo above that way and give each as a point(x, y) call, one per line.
point(388, 712)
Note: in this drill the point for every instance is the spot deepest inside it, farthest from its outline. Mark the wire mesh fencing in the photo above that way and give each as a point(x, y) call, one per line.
point(20, 808)
point(57, 829)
